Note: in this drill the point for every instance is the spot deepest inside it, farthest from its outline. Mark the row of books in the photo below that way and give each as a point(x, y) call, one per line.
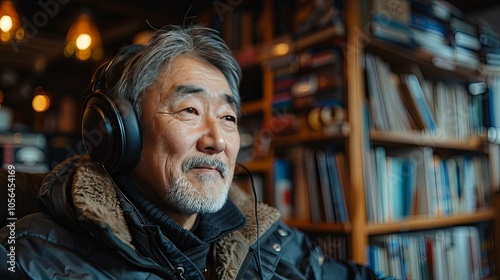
point(408, 101)
point(490, 40)
point(303, 17)
point(332, 245)
point(438, 28)
point(310, 185)
point(410, 182)
point(463, 252)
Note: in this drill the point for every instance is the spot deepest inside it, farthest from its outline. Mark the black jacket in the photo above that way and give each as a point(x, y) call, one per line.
point(86, 227)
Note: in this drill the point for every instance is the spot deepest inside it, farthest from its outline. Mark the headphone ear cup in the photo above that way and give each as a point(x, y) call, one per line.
point(110, 132)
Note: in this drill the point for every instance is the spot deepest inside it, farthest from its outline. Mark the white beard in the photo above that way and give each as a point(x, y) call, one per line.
point(185, 198)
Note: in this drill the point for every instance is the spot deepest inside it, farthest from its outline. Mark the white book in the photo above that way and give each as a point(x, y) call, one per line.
point(441, 110)
point(451, 124)
point(439, 255)
point(463, 113)
point(378, 111)
point(398, 120)
point(414, 264)
point(450, 254)
point(469, 180)
point(461, 239)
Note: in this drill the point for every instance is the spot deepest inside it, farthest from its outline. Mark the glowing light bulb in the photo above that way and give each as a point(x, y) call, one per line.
point(83, 41)
point(41, 103)
point(5, 23)
point(281, 49)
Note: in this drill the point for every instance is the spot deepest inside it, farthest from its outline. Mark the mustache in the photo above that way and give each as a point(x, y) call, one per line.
point(206, 162)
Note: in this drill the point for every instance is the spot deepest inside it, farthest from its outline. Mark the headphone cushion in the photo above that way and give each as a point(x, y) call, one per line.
point(110, 131)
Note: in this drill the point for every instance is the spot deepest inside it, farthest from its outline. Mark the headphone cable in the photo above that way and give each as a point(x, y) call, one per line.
point(259, 259)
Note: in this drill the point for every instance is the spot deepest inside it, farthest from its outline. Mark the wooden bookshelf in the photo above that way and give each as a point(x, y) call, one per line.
point(353, 135)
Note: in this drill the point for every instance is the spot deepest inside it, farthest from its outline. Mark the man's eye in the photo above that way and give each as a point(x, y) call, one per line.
point(230, 118)
point(190, 110)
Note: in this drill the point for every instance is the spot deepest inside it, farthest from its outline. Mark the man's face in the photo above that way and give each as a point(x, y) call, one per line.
point(190, 138)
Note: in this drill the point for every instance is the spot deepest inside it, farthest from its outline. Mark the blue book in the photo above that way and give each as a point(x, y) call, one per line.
point(409, 174)
point(336, 188)
point(417, 95)
point(445, 185)
point(325, 187)
point(428, 24)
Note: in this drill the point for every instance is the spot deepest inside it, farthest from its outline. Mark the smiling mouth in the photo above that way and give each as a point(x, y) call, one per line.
point(208, 169)
point(205, 165)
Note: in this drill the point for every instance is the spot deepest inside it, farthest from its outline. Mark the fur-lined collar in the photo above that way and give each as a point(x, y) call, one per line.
point(94, 196)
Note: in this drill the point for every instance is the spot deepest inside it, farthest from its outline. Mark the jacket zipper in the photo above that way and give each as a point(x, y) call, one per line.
point(177, 271)
point(170, 274)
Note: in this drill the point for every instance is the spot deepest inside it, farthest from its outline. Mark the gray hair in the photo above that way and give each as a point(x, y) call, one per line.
point(143, 69)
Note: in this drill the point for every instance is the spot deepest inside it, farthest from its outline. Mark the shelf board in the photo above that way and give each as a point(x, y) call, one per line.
point(252, 107)
point(318, 37)
point(323, 227)
point(307, 136)
point(474, 143)
point(258, 166)
point(425, 223)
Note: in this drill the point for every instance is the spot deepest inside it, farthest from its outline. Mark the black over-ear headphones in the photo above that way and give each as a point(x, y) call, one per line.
point(110, 127)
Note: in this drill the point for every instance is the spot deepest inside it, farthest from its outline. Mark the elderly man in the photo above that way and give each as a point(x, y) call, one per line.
point(154, 198)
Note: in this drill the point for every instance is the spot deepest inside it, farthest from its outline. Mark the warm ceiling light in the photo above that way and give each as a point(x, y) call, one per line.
point(5, 23)
point(83, 40)
point(9, 22)
point(281, 49)
point(41, 100)
point(40, 103)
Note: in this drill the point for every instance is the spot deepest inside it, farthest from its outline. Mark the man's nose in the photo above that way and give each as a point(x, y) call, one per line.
point(212, 139)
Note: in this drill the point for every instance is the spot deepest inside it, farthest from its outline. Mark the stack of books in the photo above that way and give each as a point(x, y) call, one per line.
point(490, 43)
point(465, 41)
point(391, 24)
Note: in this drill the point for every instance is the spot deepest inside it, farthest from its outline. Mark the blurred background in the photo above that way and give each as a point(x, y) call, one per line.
point(50, 48)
